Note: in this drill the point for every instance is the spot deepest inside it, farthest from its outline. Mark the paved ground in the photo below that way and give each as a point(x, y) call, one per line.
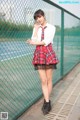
point(65, 100)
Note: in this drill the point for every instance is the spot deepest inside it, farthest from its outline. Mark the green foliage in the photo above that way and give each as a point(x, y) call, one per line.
point(73, 31)
point(11, 30)
point(7, 26)
point(58, 30)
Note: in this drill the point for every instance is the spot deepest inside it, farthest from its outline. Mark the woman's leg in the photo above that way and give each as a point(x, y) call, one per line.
point(46, 88)
point(49, 74)
point(43, 77)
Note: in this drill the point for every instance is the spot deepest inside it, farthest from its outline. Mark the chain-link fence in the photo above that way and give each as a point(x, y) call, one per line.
point(19, 82)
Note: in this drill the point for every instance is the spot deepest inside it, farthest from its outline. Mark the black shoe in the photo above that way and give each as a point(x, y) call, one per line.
point(46, 107)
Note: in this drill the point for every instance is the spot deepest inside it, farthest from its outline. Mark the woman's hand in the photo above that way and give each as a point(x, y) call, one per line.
point(30, 42)
point(36, 26)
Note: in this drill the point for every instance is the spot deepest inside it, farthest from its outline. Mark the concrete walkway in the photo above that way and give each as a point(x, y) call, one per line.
point(65, 100)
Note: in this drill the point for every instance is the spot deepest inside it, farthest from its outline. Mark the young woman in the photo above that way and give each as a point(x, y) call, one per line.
point(44, 59)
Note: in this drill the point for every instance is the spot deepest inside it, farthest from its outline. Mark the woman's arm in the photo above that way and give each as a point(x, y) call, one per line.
point(34, 40)
point(35, 31)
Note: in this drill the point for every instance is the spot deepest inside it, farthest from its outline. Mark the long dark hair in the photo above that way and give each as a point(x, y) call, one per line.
point(38, 13)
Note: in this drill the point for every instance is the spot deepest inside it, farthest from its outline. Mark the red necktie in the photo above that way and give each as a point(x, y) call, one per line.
point(42, 35)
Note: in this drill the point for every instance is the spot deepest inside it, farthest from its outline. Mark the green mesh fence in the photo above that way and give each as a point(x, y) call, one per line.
point(20, 86)
point(71, 42)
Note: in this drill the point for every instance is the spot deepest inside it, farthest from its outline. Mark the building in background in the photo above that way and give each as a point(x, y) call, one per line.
point(50, 15)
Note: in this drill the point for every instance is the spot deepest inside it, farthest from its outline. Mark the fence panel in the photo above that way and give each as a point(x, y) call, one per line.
point(71, 42)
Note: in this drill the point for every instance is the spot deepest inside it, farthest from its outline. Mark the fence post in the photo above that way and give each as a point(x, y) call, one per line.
point(62, 44)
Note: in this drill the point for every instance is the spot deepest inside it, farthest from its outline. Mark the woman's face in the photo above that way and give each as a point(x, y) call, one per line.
point(40, 20)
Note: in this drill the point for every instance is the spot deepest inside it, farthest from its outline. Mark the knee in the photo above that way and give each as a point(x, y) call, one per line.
point(44, 82)
point(49, 80)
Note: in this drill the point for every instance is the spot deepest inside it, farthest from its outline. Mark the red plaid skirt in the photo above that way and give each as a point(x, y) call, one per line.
point(44, 55)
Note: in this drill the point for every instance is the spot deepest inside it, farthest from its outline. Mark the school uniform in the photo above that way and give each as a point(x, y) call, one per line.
point(44, 55)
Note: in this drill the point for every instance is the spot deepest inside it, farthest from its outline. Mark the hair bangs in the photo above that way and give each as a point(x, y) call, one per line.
point(37, 15)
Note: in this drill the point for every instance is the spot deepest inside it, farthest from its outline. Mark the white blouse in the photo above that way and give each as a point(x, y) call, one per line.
point(49, 33)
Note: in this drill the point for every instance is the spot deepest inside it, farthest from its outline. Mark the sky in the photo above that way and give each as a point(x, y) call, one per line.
point(20, 7)
point(72, 6)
